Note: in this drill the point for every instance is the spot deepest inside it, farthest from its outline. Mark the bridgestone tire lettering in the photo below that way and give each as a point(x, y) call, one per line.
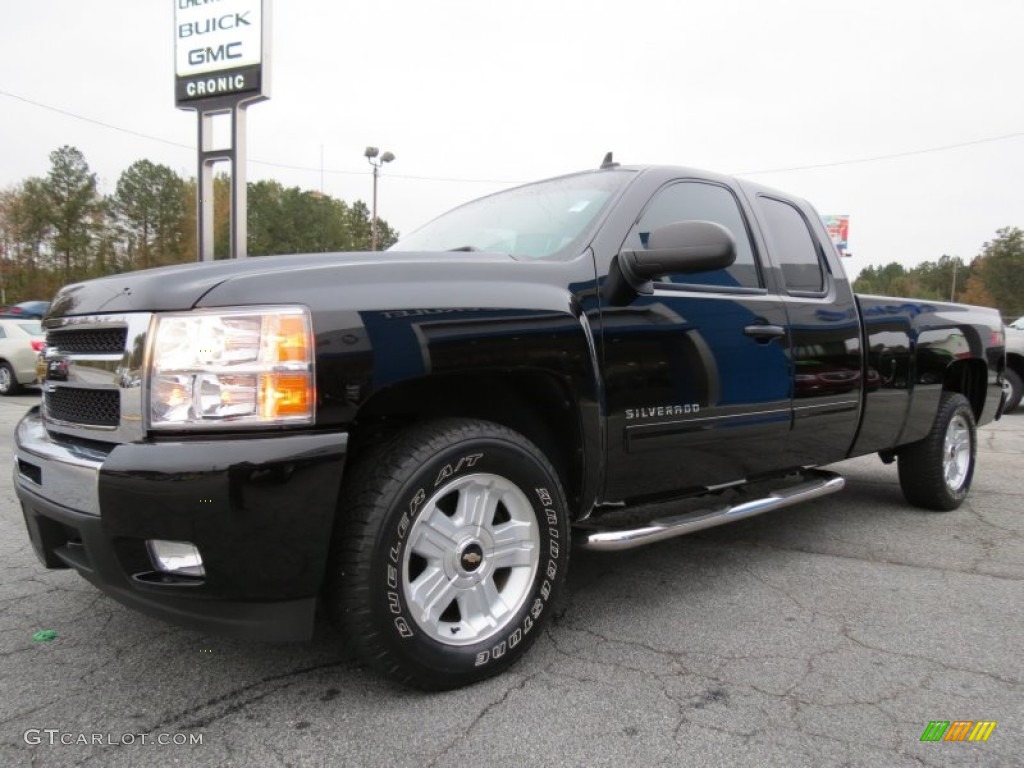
point(372, 576)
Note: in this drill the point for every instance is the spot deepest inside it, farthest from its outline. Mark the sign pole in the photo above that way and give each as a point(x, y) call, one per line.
point(204, 186)
point(222, 54)
point(239, 188)
point(209, 156)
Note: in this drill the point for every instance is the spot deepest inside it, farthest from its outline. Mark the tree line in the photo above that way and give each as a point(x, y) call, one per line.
point(60, 228)
point(993, 278)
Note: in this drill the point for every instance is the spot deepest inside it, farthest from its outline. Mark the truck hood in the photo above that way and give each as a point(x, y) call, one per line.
point(182, 286)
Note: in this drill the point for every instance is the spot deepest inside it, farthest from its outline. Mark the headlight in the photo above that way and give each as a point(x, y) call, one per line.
point(231, 368)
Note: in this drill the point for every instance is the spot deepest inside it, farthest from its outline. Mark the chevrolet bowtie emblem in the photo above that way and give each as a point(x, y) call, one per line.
point(472, 558)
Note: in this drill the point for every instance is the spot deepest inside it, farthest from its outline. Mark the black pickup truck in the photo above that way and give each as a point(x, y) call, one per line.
point(415, 439)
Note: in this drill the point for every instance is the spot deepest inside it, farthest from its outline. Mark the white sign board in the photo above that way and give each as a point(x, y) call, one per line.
point(219, 49)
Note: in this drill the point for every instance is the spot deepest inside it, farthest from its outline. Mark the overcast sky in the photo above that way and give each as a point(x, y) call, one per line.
point(472, 95)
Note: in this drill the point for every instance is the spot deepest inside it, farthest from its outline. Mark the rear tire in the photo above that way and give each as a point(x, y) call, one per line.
point(1014, 390)
point(936, 472)
point(451, 545)
point(8, 380)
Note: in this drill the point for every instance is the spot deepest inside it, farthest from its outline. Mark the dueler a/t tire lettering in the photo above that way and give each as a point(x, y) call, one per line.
point(452, 543)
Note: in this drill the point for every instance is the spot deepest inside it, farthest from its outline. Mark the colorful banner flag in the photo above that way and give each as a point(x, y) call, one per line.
point(838, 226)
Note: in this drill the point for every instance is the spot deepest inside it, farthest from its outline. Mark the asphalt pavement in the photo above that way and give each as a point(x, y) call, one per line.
point(829, 634)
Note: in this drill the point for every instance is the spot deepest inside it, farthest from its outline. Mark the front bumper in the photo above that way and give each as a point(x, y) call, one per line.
point(259, 509)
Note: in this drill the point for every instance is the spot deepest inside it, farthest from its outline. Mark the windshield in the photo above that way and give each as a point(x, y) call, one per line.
point(533, 222)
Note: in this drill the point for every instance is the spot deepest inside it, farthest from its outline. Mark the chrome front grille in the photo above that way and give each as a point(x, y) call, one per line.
point(84, 341)
point(93, 386)
point(88, 407)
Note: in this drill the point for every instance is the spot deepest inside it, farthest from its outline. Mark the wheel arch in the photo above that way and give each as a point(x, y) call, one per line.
point(537, 404)
point(970, 379)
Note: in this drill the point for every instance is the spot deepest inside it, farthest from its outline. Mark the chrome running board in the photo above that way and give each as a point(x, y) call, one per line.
point(816, 483)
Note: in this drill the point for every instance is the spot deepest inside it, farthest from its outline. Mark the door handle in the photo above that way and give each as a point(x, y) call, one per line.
point(764, 333)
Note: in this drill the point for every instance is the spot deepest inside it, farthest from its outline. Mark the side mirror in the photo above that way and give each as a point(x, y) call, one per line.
point(685, 246)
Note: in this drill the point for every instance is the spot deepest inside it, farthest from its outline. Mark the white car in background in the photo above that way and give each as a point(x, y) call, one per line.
point(21, 341)
point(1014, 378)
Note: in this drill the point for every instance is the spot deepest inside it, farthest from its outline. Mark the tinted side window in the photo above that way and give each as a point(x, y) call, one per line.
point(793, 246)
point(696, 201)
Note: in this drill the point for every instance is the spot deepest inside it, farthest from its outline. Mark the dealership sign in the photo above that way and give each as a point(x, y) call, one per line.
point(838, 227)
point(219, 50)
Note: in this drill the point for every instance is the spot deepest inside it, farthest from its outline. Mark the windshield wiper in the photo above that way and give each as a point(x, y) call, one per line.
point(465, 248)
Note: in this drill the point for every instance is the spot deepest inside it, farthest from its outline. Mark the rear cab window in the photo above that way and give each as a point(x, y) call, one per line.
point(793, 247)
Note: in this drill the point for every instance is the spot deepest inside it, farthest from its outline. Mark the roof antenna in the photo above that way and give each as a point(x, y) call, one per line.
point(608, 162)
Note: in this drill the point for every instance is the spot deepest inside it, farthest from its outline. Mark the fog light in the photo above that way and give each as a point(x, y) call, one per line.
point(181, 558)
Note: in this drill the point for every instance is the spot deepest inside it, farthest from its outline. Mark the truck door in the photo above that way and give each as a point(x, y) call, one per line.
point(698, 379)
point(824, 332)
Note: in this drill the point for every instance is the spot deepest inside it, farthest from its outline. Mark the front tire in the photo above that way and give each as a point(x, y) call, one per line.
point(451, 545)
point(936, 472)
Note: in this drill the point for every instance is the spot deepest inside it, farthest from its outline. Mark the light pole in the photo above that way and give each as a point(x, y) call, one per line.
point(375, 159)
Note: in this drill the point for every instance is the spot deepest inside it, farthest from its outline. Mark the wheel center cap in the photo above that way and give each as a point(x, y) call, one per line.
point(471, 557)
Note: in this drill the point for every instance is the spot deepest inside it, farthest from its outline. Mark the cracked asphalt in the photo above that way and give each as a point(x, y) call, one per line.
point(828, 634)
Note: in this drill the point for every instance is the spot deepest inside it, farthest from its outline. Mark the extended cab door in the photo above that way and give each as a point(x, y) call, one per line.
point(824, 332)
point(698, 379)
